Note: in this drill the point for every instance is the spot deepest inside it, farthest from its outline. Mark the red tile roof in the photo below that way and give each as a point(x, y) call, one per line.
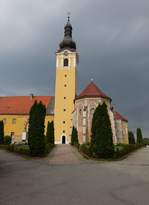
point(92, 90)
point(118, 116)
point(21, 104)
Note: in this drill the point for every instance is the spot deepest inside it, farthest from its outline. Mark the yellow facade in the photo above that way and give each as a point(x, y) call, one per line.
point(14, 124)
point(17, 124)
point(65, 91)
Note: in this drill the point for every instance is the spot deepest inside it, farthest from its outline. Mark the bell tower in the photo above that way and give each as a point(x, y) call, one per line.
point(65, 86)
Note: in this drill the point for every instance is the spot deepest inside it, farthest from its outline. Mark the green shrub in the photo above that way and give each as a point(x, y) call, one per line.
point(50, 132)
point(24, 149)
point(139, 136)
point(102, 137)
point(36, 140)
point(11, 147)
point(2, 146)
point(120, 150)
point(123, 149)
point(48, 146)
point(1, 132)
point(74, 137)
point(146, 141)
point(86, 149)
point(21, 149)
point(7, 140)
point(131, 137)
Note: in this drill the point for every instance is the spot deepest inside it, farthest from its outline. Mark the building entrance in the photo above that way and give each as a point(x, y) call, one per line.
point(63, 140)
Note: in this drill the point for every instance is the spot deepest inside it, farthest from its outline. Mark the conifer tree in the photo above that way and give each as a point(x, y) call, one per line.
point(139, 136)
point(36, 139)
point(74, 137)
point(102, 137)
point(1, 132)
point(131, 137)
point(50, 132)
point(94, 124)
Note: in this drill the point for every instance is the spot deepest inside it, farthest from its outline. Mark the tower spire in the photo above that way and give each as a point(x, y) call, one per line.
point(68, 16)
point(67, 42)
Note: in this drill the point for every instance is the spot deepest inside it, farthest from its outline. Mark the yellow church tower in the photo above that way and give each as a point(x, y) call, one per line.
point(65, 86)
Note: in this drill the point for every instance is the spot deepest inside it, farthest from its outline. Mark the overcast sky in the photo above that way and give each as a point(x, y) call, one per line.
point(112, 39)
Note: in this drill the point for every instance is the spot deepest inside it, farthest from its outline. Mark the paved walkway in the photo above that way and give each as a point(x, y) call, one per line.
point(72, 180)
point(139, 157)
point(65, 154)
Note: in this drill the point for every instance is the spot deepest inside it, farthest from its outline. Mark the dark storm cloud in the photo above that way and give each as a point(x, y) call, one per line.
point(112, 39)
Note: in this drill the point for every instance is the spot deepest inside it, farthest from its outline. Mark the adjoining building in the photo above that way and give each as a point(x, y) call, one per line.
point(14, 111)
point(85, 105)
point(66, 109)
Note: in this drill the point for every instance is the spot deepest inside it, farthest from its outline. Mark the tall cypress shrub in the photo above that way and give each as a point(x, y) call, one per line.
point(94, 124)
point(102, 137)
point(139, 136)
point(36, 139)
point(1, 132)
point(131, 137)
point(74, 137)
point(50, 133)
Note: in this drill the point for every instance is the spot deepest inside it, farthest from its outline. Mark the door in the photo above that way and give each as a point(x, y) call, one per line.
point(63, 140)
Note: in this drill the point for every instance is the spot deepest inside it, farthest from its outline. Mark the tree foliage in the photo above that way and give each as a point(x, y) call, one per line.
point(74, 137)
point(131, 137)
point(139, 136)
point(50, 132)
point(36, 138)
point(1, 132)
point(146, 141)
point(102, 137)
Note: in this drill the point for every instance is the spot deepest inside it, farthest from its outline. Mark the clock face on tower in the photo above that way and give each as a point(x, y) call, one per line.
point(65, 53)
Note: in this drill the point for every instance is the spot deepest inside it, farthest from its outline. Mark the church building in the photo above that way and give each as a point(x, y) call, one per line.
point(66, 108)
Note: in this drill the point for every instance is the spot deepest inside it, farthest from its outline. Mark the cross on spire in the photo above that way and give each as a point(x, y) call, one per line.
point(68, 17)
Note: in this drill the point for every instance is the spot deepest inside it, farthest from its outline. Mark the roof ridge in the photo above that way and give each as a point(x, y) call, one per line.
point(119, 116)
point(21, 104)
point(92, 90)
point(26, 96)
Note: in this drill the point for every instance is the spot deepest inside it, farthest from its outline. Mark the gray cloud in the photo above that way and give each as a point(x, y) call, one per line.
point(112, 40)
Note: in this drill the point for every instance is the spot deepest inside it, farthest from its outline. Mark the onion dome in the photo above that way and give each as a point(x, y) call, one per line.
point(67, 42)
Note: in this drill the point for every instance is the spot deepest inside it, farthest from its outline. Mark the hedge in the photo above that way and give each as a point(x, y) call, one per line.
point(24, 149)
point(124, 149)
point(120, 150)
point(7, 140)
point(19, 148)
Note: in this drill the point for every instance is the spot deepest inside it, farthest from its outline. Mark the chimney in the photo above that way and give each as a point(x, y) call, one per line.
point(31, 96)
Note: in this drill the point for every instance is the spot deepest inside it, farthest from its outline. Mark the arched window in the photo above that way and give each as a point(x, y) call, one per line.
point(65, 62)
